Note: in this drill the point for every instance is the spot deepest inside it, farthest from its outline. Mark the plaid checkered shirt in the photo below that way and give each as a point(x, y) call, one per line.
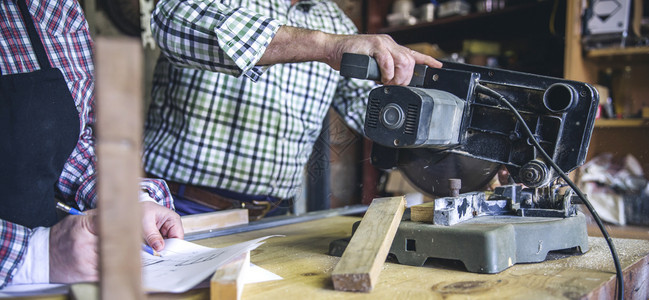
point(217, 120)
point(64, 32)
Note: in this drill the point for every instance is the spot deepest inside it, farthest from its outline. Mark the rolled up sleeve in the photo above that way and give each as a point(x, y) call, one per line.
point(212, 36)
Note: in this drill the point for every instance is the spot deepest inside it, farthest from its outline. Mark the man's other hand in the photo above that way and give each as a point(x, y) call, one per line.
point(158, 223)
point(73, 250)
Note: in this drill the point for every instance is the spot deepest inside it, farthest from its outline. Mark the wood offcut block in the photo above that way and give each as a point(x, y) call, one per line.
point(227, 281)
point(214, 220)
point(84, 291)
point(423, 212)
point(360, 265)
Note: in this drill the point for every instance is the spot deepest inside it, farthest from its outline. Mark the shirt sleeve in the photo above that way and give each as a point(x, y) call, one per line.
point(350, 101)
point(78, 181)
point(13, 246)
point(35, 267)
point(211, 36)
point(157, 190)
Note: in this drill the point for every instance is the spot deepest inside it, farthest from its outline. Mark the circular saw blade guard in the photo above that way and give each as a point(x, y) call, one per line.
point(429, 171)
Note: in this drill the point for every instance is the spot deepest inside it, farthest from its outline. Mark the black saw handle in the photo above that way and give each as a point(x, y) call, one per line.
point(365, 67)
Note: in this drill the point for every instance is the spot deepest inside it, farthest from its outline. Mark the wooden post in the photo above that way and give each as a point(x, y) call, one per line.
point(575, 67)
point(119, 132)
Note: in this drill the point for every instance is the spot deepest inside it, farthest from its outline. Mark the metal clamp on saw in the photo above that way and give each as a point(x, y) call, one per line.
point(451, 130)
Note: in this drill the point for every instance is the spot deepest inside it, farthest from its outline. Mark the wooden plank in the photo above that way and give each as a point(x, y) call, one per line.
point(360, 265)
point(214, 220)
point(636, 283)
point(119, 131)
point(423, 212)
point(227, 281)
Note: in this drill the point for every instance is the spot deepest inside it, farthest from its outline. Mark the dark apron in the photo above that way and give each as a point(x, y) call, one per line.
point(39, 128)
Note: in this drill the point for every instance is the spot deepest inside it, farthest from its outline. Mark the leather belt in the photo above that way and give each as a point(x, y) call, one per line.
point(257, 209)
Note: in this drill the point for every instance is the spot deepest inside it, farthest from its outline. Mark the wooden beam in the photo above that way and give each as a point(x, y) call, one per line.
point(227, 281)
point(119, 131)
point(360, 265)
point(575, 67)
point(214, 220)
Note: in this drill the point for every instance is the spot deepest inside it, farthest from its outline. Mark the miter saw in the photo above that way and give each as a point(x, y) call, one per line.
point(451, 130)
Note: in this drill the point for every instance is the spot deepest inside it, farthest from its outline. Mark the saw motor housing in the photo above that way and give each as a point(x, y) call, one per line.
point(445, 115)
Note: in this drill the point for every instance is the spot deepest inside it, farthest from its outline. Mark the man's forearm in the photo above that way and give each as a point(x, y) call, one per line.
point(396, 63)
point(293, 44)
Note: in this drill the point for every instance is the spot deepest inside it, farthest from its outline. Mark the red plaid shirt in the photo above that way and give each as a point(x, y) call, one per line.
point(64, 32)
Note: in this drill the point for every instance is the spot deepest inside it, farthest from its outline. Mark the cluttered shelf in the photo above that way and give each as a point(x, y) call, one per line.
point(472, 17)
point(485, 25)
point(617, 56)
point(621, 138)
point(502, 36)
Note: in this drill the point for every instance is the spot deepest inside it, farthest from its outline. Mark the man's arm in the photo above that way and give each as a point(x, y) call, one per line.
point(235, 41)
point(71, 257)
point(71, 247)
point(396, 62)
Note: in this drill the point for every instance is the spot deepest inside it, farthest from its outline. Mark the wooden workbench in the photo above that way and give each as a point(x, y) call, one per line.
point(301, 259)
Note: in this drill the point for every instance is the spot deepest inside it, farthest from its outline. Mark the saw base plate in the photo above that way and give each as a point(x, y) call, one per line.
point(485, 244)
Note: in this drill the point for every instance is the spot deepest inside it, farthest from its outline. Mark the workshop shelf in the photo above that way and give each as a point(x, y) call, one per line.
point(620, 123)
point(617, 136)
point(481, 25)
point(617, 52)
point(619, 57)
point(519, 29)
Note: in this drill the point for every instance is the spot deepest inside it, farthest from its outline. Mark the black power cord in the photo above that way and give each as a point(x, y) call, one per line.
point(618, 268)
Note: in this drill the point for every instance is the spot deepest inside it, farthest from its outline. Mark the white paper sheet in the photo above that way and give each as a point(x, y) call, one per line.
point(183, 265)
point(257, 274)
point(254, 274)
